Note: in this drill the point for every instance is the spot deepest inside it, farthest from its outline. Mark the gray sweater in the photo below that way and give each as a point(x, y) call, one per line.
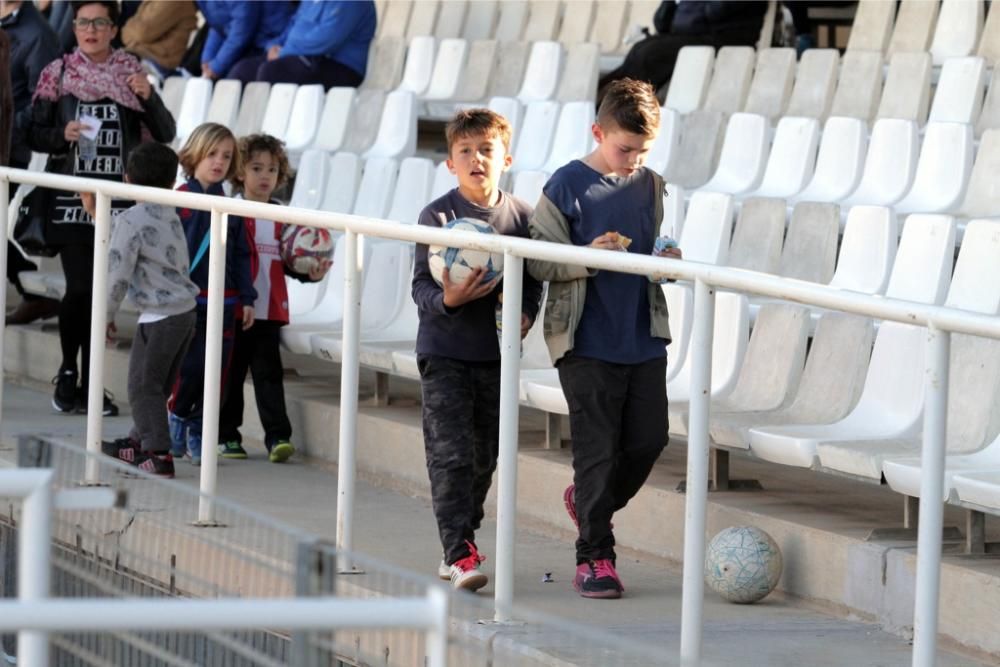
point(148, 261)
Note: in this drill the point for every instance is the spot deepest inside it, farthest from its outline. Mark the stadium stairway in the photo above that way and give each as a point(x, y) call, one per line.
point(822, 524)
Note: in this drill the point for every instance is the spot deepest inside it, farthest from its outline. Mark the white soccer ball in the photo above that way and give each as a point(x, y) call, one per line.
point(461, 261)
point(742, 564)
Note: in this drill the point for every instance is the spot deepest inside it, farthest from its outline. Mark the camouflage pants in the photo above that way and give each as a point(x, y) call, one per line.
point(461, 407)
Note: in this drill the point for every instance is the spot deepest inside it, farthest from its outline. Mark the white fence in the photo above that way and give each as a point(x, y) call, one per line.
point(941, 323)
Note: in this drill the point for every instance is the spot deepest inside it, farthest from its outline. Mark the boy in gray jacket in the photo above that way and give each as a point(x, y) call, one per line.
point(148, 261)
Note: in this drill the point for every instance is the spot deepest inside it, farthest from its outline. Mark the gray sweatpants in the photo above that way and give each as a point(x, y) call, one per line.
point(157, 352)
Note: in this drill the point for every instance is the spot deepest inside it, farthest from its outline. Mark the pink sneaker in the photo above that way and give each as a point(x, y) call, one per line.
point(465, 572)
point(598, 579)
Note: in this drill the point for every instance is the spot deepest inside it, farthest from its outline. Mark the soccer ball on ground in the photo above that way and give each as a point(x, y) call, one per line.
point(304, 248)
point(742, 564)
point(462, 261)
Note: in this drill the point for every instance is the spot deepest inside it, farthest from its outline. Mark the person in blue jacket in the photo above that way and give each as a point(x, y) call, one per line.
point(239, 29)
point(326, 42)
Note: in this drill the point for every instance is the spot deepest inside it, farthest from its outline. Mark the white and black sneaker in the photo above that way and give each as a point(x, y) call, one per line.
point(64, 398)
point(465, 572)
point(109, 409)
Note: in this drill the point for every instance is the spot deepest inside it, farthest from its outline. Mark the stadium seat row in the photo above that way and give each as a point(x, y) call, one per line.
point(951, 28)
point(613, 24)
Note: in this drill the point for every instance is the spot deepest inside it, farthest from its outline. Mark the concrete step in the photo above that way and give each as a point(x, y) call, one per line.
point(821, 523)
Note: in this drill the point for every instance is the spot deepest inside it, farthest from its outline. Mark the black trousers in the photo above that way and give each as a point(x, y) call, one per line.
point(654, 58)
point(74, 309)
point(618, 422)
point(461, 422)
point(302, 70)
point(256, 350)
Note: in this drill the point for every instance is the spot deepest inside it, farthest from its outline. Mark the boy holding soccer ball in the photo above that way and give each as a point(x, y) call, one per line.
point(263, 168)
point(457, 350)
point(607, 332)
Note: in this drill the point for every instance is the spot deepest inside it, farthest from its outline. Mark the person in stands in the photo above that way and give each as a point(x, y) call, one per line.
point(91, 108)
point(680, 24)
point(159, 32)
point(238, 30)
point(326, 42)
point(33, 45)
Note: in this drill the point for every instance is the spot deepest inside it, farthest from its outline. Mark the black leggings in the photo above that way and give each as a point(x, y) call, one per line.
point(74, 310)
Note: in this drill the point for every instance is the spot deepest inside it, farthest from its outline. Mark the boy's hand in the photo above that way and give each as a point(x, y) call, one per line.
point(672, 253)
point(317, 272)
point(608, 241)
point(109, 333)
point(89, 202)
point(247, 317)
point(526, 323)
point(459, 294)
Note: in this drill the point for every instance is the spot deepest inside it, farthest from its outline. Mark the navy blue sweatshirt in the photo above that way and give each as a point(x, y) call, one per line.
point(467, 333)
point(239, 254)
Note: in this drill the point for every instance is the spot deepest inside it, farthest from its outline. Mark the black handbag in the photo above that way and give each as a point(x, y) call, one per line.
point(33, 224)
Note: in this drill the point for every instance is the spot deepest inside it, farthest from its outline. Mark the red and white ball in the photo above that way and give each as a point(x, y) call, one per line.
point(305, 248)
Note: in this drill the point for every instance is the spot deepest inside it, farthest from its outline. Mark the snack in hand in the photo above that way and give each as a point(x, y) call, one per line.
point(623, 241)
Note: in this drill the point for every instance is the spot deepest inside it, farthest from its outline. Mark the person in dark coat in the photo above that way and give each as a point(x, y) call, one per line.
point(680, 24)
point(33, 45)
point(6, 100)
point(94, 86)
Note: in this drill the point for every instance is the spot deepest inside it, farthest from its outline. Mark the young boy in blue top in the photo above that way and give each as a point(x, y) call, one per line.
point(457, 350)
point(607, 332)
point(208, 158)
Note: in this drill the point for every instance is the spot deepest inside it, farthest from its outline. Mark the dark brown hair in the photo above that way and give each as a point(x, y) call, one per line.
point(630, 105)
point(477, 122)
point(112, 7)
point(152, 164)
point(261, 143)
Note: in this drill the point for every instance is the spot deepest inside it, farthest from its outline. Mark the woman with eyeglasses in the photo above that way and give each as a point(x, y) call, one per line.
point(90, 109)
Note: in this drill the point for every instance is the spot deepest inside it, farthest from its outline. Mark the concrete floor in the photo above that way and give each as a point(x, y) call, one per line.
point(399, 529)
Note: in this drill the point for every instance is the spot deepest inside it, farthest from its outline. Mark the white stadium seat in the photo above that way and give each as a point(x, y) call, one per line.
point(225, 104)
point(839, 161)
point(304, 119)
point(397, 131)
point(541, 76)
point(792, 159)
point(338, 108)
point(891, 402)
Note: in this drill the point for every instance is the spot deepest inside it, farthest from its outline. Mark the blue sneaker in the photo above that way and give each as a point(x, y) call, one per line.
point(178, 435)
point(194, 444)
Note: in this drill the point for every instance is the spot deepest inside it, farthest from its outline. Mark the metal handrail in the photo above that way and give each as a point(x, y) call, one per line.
point(940, 321)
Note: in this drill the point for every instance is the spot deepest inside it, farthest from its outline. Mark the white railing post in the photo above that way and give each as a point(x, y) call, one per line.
point(696, 502)
point(510, 365)
point(931, 522)
point(348, 436)
point(436, 648)
point(4, 222)
point(33, 563)
point(98, 328)
point(211, 397)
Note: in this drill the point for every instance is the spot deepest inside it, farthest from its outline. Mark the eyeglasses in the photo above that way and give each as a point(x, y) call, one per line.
point(99, 24)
